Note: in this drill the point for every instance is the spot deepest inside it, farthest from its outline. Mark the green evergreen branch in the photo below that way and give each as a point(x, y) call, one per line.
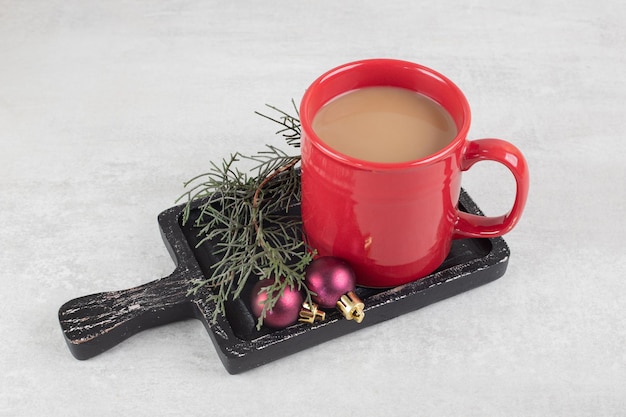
point(247, 220)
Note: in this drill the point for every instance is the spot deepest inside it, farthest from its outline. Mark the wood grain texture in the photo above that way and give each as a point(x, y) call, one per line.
point(97, 322)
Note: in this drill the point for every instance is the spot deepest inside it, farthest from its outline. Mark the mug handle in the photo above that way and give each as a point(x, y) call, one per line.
point(471, 225)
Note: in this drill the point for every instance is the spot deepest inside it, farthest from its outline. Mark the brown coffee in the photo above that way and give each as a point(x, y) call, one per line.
point(384, 124)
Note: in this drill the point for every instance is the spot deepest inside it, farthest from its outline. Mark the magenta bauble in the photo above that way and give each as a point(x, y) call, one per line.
point(284, 312)
point(329, 278)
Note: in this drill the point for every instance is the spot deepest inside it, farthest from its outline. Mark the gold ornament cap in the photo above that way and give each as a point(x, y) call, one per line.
point(310, 313)
point(351, 306)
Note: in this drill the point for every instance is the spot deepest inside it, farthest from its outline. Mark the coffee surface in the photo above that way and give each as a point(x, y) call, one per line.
point(384, 124)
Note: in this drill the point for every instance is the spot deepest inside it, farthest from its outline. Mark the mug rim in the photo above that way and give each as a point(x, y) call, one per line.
point(306, 121)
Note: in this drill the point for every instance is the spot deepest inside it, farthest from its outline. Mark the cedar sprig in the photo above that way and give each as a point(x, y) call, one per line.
point(247, 218)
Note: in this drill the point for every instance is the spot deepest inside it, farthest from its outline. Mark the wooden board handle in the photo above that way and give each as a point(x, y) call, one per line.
point(97, 322)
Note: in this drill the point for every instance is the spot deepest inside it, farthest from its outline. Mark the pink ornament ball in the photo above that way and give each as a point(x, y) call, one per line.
point(329, 278)
point(286, 310)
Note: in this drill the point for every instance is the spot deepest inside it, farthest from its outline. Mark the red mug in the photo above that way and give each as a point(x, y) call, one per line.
point(395, 222)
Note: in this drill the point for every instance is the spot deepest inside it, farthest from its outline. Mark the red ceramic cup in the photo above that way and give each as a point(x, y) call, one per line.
point(395, 222)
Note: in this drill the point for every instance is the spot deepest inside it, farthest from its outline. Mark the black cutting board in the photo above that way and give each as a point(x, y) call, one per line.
point(94, 323)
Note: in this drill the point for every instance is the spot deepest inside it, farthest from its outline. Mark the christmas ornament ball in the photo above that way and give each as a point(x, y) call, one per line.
point(329, 278)
point(284, 312)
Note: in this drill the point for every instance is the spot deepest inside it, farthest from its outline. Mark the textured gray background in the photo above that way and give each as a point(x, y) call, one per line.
point(107, 107)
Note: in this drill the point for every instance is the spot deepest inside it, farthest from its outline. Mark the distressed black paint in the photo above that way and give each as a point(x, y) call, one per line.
point(95, 323)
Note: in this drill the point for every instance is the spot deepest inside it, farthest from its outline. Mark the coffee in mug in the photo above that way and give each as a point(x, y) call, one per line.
point(384, 124)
